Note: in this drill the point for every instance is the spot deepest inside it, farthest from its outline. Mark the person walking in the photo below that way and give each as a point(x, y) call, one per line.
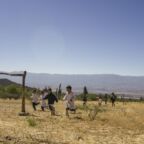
point(113, 99)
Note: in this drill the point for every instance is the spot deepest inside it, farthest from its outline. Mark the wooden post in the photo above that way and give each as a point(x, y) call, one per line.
point(23, 92)
point(23, 111)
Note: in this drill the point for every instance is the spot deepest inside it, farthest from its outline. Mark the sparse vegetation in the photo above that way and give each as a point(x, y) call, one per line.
point(92, 124)
point(13, 92)
point(32, 122)
point(121, 125)
point(93, 112)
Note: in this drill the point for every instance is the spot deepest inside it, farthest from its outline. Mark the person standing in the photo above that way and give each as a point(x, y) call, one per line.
point(113, 99)
point(85, 92)
point(100, 100)
point(70, 99)
point(106, 99)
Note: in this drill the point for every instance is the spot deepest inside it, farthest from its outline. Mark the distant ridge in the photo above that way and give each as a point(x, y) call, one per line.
point(6, 82)
point(96, 83)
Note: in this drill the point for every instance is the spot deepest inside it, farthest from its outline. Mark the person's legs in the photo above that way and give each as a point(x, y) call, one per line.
point(73, 110)
point(34, 106)
point(84, 103)
point(105, 102)
point(67, 113)
point(52, 109)
point(113, 103)
point(42, 108)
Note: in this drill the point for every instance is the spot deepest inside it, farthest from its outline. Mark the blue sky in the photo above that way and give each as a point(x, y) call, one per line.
point(72, 36)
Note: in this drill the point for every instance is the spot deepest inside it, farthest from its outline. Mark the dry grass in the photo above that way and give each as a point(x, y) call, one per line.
point(123, 124)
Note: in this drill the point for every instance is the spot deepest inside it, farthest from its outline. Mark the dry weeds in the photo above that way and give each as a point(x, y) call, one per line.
point(123, 124)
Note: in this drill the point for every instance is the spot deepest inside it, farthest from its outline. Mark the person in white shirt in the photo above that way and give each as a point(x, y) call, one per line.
point(43, 102)
point(69, 98)
point(35, 99)
point(100, 101)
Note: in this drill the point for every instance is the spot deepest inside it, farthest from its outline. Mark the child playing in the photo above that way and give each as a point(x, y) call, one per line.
point(69, 98)
point(100, 101)
point(43, 104)
point(85, 92)
point(113, 99)
point(51, 100)
point(35, 100)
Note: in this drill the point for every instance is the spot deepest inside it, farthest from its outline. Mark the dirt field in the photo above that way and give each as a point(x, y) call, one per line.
point(123, 124)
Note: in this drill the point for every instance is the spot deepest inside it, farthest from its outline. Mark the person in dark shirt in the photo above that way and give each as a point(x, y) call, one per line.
point(51, 100)
point(113, 99)
point(106, 98)
point(85, 92)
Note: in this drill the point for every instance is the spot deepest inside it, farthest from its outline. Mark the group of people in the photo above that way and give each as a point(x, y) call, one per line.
point(105, 99)
point(47, 94)
point(69, 98)
point(101, 99)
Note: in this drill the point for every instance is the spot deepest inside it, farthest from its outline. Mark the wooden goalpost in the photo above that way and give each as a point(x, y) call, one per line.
point(23, 75)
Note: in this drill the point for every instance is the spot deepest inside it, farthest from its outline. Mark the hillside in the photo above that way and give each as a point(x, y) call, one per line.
point(10, 89)
point(6, 82)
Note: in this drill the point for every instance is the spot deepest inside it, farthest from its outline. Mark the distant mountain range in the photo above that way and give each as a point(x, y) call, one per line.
point(105, 83)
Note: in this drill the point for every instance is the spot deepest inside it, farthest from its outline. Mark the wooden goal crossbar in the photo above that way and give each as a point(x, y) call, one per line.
point(23, 75)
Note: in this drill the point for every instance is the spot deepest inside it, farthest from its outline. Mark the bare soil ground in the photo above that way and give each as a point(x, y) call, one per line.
point(123, 124)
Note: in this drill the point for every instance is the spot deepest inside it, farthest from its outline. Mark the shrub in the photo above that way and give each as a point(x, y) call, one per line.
point(12, 89)
point(92, 114)
point(31, 122)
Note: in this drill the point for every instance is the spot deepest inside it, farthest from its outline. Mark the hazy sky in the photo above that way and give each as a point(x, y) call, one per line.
point(72, 36)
